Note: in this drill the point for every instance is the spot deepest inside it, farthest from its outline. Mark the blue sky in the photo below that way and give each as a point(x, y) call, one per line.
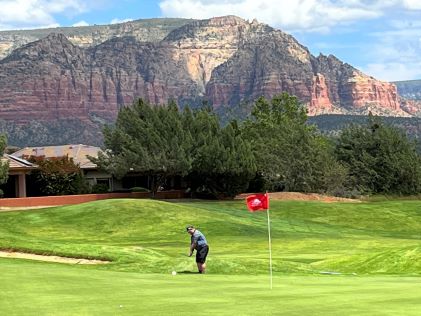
point(380, 37)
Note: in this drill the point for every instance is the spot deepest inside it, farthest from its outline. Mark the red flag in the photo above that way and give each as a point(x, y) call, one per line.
point(258, 202)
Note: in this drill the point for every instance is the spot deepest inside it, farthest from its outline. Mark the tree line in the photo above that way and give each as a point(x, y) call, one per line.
point(274, 149)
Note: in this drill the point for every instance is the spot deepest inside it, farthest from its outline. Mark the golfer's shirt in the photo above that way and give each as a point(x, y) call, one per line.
point(199, 239)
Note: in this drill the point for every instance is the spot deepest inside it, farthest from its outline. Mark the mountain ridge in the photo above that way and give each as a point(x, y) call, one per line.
point(222, 61)
point(151, 30)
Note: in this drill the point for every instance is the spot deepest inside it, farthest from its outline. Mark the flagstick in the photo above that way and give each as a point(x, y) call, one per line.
point(270, 250)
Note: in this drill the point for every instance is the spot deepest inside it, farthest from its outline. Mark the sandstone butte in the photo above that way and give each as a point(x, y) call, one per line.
point(223, 61)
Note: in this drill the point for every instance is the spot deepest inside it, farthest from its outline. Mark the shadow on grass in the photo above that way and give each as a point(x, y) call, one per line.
point(188, 272)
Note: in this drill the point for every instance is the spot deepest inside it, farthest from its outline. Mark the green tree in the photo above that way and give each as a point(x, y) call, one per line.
point(290, 154)
point(4, 166)
point(58, 176)
point(380, 158)
point(148, 140)
point(223, 164)
point(161, 141)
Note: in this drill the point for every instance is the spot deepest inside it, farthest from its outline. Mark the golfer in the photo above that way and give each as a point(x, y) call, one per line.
point(198, 242)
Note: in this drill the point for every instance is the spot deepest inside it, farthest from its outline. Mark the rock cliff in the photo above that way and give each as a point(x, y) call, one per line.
point(410, 90)
point(223, 61)
point(410, 96)
point(147, 30)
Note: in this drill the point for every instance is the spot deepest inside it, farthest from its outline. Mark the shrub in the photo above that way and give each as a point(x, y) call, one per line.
point(58, 175)
point(99, 188)
point(139, 189)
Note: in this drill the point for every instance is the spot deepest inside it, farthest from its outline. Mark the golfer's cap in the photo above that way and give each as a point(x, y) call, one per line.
point(188, 227)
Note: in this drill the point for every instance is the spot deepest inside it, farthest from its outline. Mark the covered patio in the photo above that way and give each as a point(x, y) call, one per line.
point(16, 183)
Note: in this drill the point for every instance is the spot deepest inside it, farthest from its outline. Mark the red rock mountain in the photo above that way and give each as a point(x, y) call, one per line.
point(223, 61)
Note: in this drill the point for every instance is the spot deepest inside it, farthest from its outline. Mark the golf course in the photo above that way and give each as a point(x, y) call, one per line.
point(361, 258)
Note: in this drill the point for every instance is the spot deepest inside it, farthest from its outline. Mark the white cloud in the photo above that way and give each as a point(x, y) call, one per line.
point(396, 52)
point(81, 23)
point(116, 21)
point(392, 53)
point(35, 13)
point(299, 14)
point(405, 24)
point(393, 71)
point(412, 4)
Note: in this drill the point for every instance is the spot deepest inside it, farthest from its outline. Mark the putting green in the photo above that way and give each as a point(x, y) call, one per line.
point(374, 248)
point(33, 288)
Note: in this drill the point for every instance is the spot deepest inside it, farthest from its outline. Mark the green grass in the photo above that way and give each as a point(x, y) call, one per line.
point(375, 246)
point(32, 288)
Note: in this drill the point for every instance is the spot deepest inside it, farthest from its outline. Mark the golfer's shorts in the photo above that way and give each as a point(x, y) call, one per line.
point(201, 254)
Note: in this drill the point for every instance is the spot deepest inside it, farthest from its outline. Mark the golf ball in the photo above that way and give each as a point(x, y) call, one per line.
point(173, 273)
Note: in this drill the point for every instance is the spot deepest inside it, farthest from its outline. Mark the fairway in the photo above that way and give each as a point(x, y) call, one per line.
point(329, 259)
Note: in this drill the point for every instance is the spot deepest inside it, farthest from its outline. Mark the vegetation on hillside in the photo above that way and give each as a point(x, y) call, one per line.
point(333, 124)
point(166, 23)
point(409, 89)
point(38, 133)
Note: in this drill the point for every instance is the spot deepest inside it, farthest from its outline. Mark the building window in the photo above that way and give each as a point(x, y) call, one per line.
point(105, 181)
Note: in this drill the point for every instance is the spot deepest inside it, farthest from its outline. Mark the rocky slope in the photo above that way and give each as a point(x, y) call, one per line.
point(148, 30)
point(410, 89)
point(410, 92)
point(224, 61)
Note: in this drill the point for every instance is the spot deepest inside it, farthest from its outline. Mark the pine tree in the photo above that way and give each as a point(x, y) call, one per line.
point(223, 163)
point(290, 154)
point(380, 158)
point(148, 140)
